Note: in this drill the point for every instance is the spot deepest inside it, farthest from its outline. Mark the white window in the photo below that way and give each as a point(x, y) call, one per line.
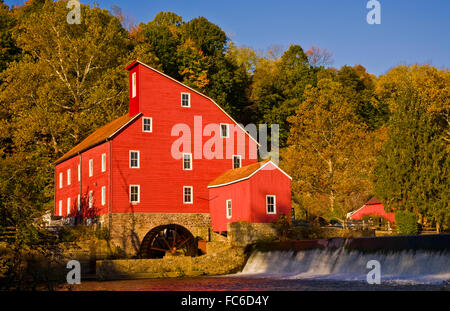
point(187, 195)
point(79, 172)
point(79, 202)
point(187, 161)
point(60, 180)
point(147, 125)
point(133, 85)
point(134, 159)
point(104, 162)
point(185, 100)
point(224, 130)
point(91, 199)
point(236, 161)
point(228, 209)
point(271, 204)
point(68, 177)
point(103, 195)
point(135, 194)
point(91, 167)
point(68, 206)
point(60, 208)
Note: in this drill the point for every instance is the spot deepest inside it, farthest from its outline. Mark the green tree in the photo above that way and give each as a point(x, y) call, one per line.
point(412, 172)
point(279, 85)
point(163, 34)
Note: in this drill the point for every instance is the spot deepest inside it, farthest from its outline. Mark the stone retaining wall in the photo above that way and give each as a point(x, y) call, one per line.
point(229, 260)
point(242, 233)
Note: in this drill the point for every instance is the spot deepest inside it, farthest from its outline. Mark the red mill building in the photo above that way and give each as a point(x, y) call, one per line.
point(145, 175)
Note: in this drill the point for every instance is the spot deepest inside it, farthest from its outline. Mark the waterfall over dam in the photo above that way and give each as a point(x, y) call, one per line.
point(416, 259)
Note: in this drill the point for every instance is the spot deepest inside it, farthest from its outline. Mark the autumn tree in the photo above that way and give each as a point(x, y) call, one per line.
point(329, 153)
point(8, 48)
point(318, 57)
point(412, 172)
point(69, 81)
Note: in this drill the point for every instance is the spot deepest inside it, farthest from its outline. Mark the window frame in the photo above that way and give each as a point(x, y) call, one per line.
point(143, 124)
point(274, 204)
point(91, 167)
point(61, 180)
point(240, 160)
point(79, 172)
point(228, 130)
point(103, 162)
point(69, 177)
point(138, 194)
point(190, 162)
point(69, 202)
point(79, 202)
point(103, 195)
point(189, 99)
point(60, 208)
point(191, 195)
point(133, 84)
point(138, 158)
point(229, 210)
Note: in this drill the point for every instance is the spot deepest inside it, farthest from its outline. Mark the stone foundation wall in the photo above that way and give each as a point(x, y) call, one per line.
point(242, 233)
point(129, 229)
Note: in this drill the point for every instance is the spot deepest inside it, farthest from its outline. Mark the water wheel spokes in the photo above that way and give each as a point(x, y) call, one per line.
point(168, 239)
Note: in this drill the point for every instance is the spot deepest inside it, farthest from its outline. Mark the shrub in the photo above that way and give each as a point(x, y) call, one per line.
point(406, 223)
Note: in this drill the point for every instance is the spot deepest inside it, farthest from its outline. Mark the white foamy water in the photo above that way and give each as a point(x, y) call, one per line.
point(404, 267)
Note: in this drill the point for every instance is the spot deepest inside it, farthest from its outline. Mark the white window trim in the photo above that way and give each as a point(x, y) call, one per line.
point(91, 167)
point(139, 194)
point(240, 161)
point(79, 172)
point(60, 208)
point(68, 206)
point(69, 177)
point(228, 130)
point(60, 180)
point(189, 99)
point(151, 124)
point(91, 199)
point(274, 204)
point(133, 85)
point(192, 195)
point(79, 202)
point(187, 169)
point(229, 211)
point(103, 162)
point(103, 195)
point(138, 159)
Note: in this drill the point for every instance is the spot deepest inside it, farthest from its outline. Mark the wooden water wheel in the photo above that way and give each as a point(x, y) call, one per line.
point(170, 239)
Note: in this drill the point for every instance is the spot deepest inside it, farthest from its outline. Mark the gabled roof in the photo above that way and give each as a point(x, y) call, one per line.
point(136, 62)
point(240, 174)
point(100, 135)
point(373, 200)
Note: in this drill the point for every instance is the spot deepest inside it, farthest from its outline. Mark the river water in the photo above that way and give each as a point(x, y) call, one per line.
point(309, 271)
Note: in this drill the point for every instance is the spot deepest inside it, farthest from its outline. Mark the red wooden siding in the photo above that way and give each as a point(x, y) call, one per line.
point(373, 210)
point(160, 176)
point(249, 198)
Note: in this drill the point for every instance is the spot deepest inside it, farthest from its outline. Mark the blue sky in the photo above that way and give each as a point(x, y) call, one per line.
point(411, 31)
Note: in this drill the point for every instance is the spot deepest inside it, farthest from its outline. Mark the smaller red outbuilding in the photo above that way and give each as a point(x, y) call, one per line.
point(257, 193)
point(373, 207)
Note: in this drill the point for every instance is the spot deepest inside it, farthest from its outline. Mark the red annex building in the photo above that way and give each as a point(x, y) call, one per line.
point(150, 169)
point(373, 207)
